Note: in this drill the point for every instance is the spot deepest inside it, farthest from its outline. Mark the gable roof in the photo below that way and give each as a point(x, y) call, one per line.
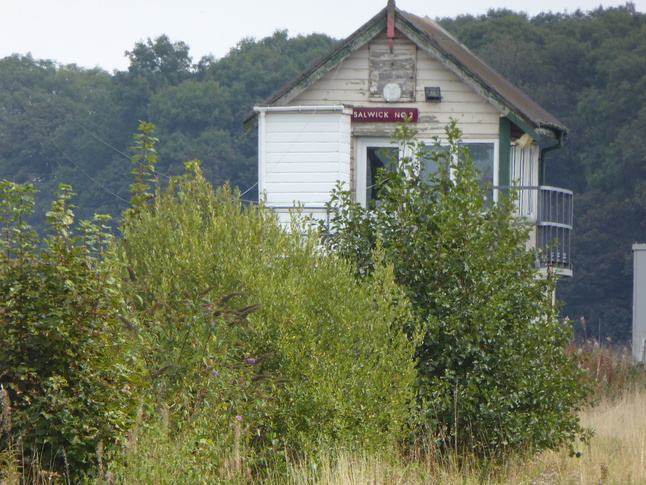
point(439, 44)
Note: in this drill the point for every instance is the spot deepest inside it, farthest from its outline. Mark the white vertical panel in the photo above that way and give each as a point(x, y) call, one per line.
point(639, 302)
point(305, 153)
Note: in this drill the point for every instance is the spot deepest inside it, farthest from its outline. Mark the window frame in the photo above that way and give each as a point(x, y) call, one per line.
point(363, 143)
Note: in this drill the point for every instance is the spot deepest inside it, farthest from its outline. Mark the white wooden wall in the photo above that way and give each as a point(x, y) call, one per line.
point(302, 155)
point(349, 84)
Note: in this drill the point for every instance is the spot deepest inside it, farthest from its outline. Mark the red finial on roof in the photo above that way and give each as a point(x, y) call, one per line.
point(390, 24)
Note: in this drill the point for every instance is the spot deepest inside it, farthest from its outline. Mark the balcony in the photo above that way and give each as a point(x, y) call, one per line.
point(550, 209)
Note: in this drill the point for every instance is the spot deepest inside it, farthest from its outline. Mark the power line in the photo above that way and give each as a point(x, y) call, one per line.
point(69, 118)
point(51, 140)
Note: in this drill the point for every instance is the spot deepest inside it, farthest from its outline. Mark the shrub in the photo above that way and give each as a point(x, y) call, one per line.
point(492, 373)
point(62, 357)
point(302, 350)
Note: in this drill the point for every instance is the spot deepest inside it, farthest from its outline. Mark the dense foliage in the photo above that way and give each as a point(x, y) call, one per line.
point(63, 359)
point(344, 366)
point(492, 371)
point(205, 327)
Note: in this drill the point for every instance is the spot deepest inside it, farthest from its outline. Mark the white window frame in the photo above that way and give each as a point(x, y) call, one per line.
point(362, 143)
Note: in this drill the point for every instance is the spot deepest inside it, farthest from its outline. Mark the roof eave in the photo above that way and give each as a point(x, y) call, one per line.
point(552, 127)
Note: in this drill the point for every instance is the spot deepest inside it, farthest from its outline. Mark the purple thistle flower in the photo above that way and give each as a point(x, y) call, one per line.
point(250, 360)
point(215, 373)
point(239, 418)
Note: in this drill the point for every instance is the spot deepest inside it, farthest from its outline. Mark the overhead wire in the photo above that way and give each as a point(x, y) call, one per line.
point(86, 130)
point(53, 142)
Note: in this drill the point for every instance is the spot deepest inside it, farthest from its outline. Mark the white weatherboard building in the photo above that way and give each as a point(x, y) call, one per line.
point(333, 121)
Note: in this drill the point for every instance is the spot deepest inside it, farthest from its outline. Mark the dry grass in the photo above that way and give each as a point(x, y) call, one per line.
point(617, 452)
point(616, 455)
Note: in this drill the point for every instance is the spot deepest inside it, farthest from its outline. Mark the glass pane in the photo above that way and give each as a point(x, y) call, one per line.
point(482, 156)
point(428, 166)
point(376, 158)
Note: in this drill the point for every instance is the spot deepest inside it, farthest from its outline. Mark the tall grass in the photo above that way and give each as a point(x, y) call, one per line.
point(616, 454)
point(608, 370)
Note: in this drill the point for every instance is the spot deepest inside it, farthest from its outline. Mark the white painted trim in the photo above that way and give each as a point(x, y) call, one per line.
point(262, 154)
point(496, 159)
point(362, 144)
point(267, 109)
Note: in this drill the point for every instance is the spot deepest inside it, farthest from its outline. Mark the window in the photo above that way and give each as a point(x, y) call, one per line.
point(373, 154)
point(484, 158)
point(377, 158)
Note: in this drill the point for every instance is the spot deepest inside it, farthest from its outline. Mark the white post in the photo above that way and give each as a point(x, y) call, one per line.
point(639, 301)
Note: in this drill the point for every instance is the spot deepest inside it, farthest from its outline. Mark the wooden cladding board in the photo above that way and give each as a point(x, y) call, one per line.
point(352, 83)
point(306, 153)
point(397, 67)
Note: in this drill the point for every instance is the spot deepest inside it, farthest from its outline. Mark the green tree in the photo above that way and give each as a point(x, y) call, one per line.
point(255, 69)
point(492, 372)
point(162, 56)
point(587, 68)
point(62, 352)
point(57, 127)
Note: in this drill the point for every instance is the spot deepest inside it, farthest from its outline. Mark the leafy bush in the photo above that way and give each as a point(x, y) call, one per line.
point(492, 374)
point(238, 318)
point(62, 357)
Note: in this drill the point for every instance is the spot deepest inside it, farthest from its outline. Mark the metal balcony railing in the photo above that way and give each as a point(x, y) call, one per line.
point(551, 209)
point(554, 226)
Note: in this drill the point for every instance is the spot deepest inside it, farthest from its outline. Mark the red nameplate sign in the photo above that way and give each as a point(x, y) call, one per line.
point(383, 115)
